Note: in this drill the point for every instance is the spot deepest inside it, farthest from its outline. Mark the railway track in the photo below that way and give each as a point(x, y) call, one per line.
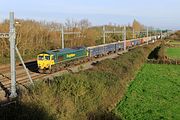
point(6, 69)
point(22, 78)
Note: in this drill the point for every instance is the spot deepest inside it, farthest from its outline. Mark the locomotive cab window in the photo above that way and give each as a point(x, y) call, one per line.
point(40, 58)
point(47, 57)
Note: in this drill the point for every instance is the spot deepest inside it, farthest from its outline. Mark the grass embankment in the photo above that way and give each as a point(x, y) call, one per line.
point(154, 94)
point(173, 53)
point(89, 94)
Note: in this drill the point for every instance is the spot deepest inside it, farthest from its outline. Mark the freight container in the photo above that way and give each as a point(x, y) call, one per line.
point(95, 50)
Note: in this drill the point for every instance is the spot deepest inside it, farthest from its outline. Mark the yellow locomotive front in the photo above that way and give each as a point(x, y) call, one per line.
point(45, 61)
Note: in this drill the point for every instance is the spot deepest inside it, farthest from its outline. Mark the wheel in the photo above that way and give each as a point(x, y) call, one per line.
point(40, 70)
point(53, 70)
point(48, 71)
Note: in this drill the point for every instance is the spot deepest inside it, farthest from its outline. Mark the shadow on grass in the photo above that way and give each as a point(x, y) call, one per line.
point(17, 111)
point(102, 116)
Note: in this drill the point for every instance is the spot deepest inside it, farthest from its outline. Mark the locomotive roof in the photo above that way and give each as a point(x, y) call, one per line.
point(65, 50)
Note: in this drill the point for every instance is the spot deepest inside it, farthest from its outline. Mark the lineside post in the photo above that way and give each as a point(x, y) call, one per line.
point(104, 35)
point(12, 37)
point(133, 34)
point(124, 38)
point(147, 35)
point(161, 34)
point(62, 36)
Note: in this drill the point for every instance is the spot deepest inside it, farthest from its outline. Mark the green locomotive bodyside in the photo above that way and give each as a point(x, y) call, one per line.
point(68, 54)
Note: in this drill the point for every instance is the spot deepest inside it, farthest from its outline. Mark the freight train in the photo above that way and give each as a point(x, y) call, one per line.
point(55, 60)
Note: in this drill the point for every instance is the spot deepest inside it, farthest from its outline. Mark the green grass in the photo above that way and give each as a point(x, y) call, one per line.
point(173, 53)
point(154, 94)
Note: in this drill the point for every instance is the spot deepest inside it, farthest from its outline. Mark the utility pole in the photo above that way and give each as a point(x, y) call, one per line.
point(66, 33)
point(104, 35)
point(114, 30)
point(109, 32)
point(12, 39)
point(133, 34)
point(62, 35)
point(161, 34)
point(147, 34)
point(124, 38)
point(12, 36)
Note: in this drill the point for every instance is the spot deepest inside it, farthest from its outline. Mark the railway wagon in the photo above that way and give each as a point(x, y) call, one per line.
point(146, 39)
point(47, 60)
point(113, 47)
point(95, 51)
point(142, 40)
point(128, 44)
point(109, 48)
point(119, 45)
point(135, 42)
point(153, 38)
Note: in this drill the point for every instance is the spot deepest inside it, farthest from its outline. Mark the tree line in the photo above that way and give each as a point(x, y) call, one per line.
point(33, 37)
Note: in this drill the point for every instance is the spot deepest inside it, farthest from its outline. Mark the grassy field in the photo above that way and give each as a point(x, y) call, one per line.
point(173, 53)
point(154, 94)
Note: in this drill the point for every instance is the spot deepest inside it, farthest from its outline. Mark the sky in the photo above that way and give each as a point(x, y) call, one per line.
point(163, 14)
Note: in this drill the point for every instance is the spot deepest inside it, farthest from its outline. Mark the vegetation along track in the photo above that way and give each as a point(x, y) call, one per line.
point(22, 78)
point(21, 75)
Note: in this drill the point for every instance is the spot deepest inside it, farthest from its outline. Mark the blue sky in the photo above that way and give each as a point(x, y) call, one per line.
point(156, 13)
